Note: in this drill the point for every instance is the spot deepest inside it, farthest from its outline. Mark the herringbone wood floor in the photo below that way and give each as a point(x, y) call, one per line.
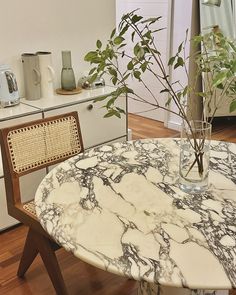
point(80, 278)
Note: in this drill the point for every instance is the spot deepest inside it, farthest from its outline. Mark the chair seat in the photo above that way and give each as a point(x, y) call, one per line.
point(30, 207)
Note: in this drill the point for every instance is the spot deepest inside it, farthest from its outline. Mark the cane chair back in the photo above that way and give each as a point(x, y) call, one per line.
point(41, 143)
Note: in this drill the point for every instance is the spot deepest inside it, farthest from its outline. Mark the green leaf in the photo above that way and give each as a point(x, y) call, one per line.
point(185, 90)
point(179, 95)
point(122, 45)
point(171, 60)
point(164, 90)
point(120, 110)
point(100, 98)
point(148, 35)
point(109, 114)
point(132, 36)
point(198, 39)
point(90, 55)
point(137, 74)
point(168, 101)
point(117, 114)
point(234, 66)
point(180, 47)
point(180, 61)
point(136, 49)
point(219, 78)
point(92, 71)
point(130, 66)
point(136, 18)
point(118, 40)
point(129, 90)
point(202, 94)
point(93, 78)
point(99, 44)
point(144, 66)
point(112, 72)
point(110, 102)
point(124, 30)
point(96, 60)
point(151, 20)
point(114, 80)
point(139, 51)
point(220, 86)
point(232, 107)
point(113, 33)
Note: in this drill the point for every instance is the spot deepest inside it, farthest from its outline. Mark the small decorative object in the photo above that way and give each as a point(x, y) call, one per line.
point(67, 73)
point(215, 62)
point(47, 73)
point(32, 77)
point(194, 156)
point(84, 82)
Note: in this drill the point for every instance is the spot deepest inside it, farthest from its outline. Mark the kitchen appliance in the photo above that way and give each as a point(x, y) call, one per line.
point(9, 94)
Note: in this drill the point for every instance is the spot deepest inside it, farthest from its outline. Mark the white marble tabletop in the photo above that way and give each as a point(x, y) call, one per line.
point(118, 207)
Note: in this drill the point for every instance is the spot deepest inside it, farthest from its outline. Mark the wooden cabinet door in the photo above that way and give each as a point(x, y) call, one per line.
point(5, 219)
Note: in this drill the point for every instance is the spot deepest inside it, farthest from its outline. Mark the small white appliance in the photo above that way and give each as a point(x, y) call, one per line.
point(9, 94)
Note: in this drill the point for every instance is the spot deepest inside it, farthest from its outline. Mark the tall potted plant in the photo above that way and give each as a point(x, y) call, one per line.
point(216, 64)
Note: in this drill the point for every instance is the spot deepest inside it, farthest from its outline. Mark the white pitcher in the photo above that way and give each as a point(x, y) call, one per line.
point(47, 73)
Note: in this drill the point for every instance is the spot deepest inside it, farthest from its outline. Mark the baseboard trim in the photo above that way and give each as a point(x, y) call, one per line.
point(174, 125)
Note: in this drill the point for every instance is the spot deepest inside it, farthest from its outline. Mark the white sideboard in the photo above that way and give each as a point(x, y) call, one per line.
point(95, 131)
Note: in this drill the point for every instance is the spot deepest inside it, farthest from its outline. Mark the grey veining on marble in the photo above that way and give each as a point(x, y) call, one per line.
point(119, 208)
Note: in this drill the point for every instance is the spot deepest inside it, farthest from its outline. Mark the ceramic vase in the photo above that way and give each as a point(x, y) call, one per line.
point(32, 77)
point(47, 73)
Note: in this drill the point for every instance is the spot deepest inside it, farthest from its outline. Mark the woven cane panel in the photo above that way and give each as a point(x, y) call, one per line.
point(30, 207)
point(43, 143)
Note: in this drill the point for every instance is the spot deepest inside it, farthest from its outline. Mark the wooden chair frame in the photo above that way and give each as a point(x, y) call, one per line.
point(37, 241)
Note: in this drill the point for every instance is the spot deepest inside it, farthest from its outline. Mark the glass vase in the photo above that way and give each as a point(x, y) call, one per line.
point(194, 156)
point(67, 73)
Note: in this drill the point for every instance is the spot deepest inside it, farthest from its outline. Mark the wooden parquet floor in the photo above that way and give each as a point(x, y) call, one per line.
point(80, 278)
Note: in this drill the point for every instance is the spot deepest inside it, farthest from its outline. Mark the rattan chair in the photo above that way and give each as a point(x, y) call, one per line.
point(26, 148)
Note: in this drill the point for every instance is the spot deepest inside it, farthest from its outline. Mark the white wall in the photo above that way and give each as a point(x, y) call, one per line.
point(53, 25)
point(181, 20)
point(147, 9)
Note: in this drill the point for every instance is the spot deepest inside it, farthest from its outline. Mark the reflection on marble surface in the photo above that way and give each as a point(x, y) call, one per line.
point(119, 208)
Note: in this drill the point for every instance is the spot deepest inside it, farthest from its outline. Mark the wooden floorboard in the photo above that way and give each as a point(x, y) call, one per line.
point(81, 278)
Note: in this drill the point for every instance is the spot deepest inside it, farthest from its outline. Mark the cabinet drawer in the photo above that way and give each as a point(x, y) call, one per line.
point(5, 220)
point(13, 122)
point(96, 129)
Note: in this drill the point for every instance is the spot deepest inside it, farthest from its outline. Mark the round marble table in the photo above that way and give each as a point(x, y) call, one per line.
point(119, 208)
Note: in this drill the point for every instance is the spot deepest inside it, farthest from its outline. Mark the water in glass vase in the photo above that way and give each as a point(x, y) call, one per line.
point(191, 179)
point(194, 157)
